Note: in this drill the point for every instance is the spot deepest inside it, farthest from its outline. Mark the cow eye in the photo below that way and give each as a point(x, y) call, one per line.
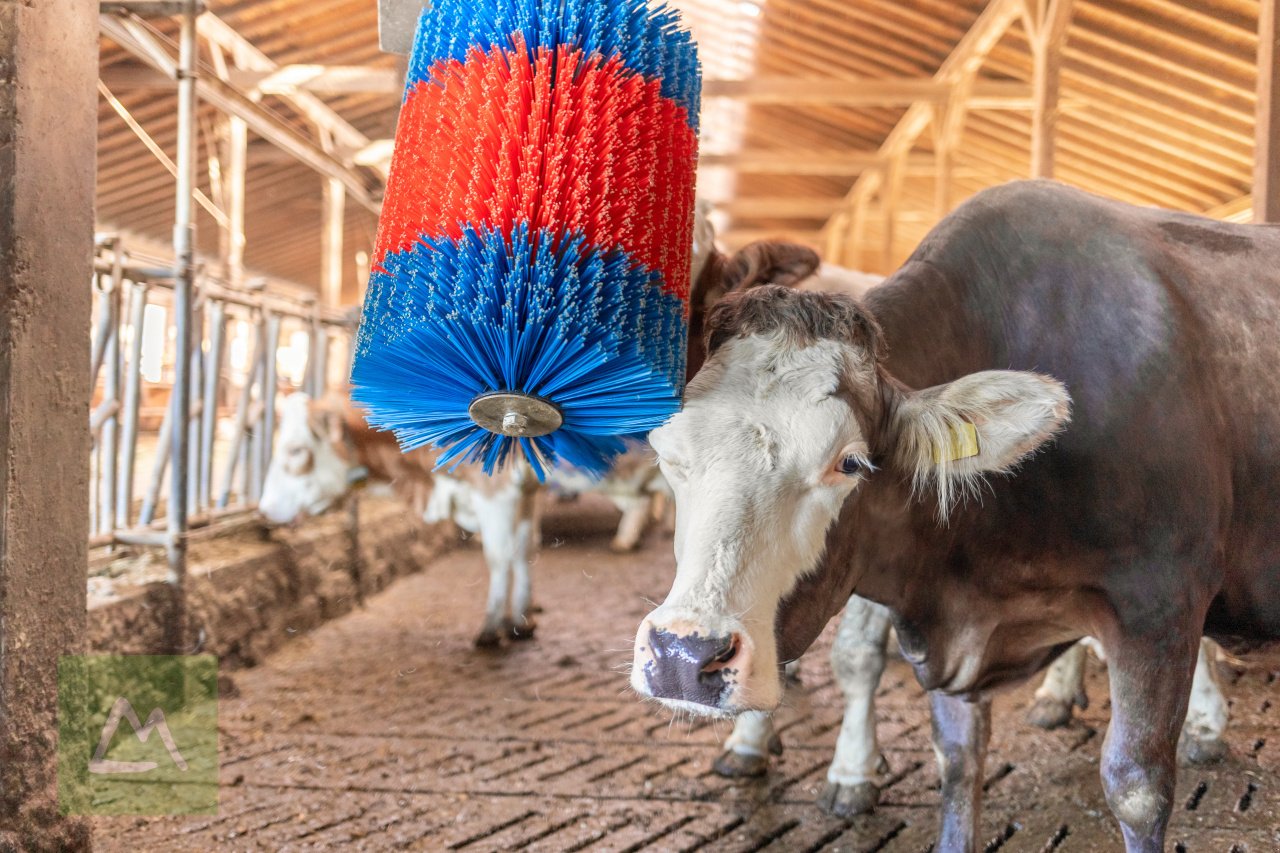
point(852, 465)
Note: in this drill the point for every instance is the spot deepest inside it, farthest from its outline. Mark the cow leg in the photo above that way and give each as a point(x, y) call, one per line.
point(498, 538)
point(1061, 691)
point(857, 659)
point(635, 518)
point(1150, 686)
point(522, 623)
point(1201, 741)
point(961, 731)
point(747, 751)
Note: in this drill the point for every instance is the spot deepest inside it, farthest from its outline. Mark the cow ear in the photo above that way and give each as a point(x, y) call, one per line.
point(318, 422)
point(767, 262)
point(950, 436)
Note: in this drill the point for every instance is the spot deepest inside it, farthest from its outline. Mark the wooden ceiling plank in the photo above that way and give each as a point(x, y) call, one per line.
point(1266, 181)
point(1110, 106)
point(1124, 157)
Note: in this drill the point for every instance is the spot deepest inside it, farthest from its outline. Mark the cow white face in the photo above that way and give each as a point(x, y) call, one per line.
point(306, 475)
point(790, 415)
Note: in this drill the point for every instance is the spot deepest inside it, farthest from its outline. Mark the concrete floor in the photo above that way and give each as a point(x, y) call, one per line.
point(385, 730)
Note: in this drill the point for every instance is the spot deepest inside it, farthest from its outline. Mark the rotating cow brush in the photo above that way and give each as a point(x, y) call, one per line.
point(531, 275)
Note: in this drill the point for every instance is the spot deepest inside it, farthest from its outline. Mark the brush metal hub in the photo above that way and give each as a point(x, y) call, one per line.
point(516, 415)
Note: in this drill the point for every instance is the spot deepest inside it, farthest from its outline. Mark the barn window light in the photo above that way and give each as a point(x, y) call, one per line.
point(154, 321)
point(292, 359)
point(239, 349)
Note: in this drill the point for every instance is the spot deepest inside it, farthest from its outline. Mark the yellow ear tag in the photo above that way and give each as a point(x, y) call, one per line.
point(962, 445)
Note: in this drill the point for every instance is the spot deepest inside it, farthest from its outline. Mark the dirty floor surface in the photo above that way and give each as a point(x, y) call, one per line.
point(386, 730)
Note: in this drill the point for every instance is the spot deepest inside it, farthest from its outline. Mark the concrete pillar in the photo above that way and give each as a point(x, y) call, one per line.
point(48, 130)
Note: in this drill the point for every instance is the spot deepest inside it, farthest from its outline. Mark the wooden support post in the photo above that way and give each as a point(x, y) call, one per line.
point(233, 140)
point(1046, 23)
point(48, 136)
point(948, 127)
point(1266, 167)
point(964, 61)
point(895, 173)
point(237, 157)
point(858, 233)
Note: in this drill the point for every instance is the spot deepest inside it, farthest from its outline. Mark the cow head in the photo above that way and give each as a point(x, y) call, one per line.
point(306, 475)
point(792, 412)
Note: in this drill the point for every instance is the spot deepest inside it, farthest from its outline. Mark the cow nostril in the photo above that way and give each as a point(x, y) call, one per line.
point(725, 656)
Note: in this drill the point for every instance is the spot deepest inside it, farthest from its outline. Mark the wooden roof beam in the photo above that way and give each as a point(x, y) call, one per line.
point(1266, 175)
point(290, 80)
point(736, 238)
point(786, 162)
point(963, 62)
point(887, 92)
point(780, 207)
point(1046, 23)
point(232, 101)
point(283, 80)
point(346, 138)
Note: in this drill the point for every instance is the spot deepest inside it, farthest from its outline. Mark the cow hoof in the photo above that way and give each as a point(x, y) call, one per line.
point(740, 765)
point(1194, 751)
point(849, 800)
point(618, 546)
point(1048, 713)
point(519, 633)
point(487, 639)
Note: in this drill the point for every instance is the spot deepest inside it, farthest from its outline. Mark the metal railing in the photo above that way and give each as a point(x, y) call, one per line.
point(247, 347)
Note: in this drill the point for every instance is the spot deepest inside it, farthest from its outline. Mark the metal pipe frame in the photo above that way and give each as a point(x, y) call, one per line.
point(184, 275)
point(202, 304)
point(132, 404)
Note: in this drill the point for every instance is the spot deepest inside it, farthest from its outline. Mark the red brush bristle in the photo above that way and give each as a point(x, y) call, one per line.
point(567, 143)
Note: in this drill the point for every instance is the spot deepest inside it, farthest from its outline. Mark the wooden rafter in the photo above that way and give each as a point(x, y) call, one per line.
point(232, 101)
point(900, 91)
point(1046, 23)
point(1266, 180)
point(800, 162)
point(346, 139)
point(963, 61)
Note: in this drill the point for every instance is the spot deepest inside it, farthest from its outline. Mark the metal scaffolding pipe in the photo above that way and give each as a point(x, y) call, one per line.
point(107, 441)
point(184, 275)
point(269, 396)
point(132, 402)
point(195, 408)
point(237, 456)
point(209, 413)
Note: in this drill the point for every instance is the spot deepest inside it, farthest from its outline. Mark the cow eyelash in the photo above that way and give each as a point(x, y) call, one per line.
point(852, 464)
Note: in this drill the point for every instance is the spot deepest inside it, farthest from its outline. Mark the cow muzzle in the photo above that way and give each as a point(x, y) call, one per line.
point(692, 666)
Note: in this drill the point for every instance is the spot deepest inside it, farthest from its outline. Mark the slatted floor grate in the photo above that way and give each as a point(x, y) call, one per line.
point(385, 730)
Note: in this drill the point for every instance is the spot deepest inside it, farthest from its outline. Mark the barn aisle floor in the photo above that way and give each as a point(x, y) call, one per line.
point(386, 730)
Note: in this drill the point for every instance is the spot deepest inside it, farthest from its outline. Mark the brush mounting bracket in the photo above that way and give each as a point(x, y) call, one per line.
point(516, 415)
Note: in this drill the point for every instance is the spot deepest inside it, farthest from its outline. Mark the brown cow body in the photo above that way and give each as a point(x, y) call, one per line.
point(1147, 520)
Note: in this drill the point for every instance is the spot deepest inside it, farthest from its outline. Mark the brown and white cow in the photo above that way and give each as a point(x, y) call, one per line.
point(859, 650)
point(830, 448)
point(317, 447)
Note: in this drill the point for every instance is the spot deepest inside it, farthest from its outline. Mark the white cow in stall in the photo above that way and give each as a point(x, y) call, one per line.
point(859, 649)
point(318, 446)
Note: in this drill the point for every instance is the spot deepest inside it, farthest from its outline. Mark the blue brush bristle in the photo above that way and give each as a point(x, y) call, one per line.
point(647, 38)
point(448, 320)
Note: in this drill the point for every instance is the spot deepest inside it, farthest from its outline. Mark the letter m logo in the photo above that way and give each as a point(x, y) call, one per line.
point(122, 709)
